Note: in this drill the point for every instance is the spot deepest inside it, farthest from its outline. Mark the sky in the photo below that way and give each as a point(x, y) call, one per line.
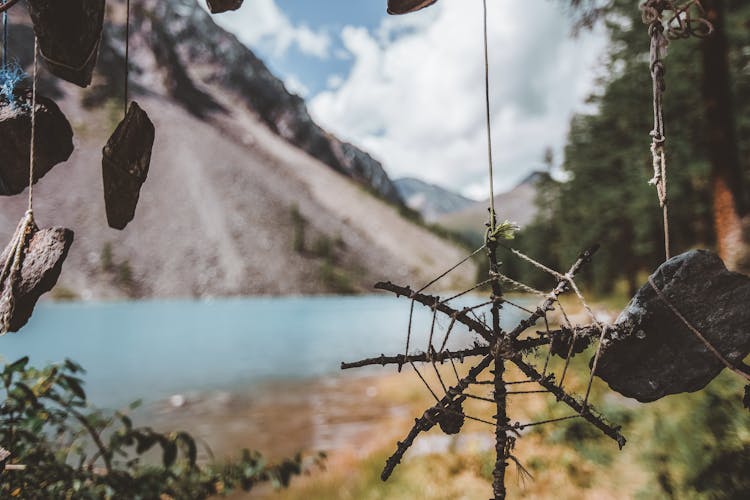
point(410, 89)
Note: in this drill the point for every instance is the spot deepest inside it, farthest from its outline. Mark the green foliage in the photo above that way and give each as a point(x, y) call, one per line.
point(66, 450)
point(606, 198)
point(121, 273)
point(698, 446)
point(299, 226)
point(506, 230)
point(336, 279)
point(106, 259)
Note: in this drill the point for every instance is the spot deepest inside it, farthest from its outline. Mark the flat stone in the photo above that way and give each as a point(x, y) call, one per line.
point(406, 6)
point(651, 353)
point(40, 268)
point(218, 6)
point(69, 34)
point(53, 145)
point(125, 164)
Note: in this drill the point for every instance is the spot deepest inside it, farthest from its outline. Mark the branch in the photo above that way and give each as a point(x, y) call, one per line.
point(587, 331)
point(429, 418)
point(438, 357)
point(102, 448)
point(583, 411)
point(562, 287)
point(433, 301)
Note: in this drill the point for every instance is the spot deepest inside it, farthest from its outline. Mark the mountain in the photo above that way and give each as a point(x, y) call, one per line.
point(428, 199)
point(246, 194)
point(517, 205)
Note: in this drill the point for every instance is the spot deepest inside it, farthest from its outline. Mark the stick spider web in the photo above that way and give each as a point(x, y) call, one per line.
point(498, 349)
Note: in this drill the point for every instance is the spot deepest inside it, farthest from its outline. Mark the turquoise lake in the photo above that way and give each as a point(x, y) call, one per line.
point(153, 349)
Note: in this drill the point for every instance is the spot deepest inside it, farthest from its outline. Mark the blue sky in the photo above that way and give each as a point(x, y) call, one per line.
point(409, 89)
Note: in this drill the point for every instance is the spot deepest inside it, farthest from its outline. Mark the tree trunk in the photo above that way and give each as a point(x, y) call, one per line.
point(726, 171)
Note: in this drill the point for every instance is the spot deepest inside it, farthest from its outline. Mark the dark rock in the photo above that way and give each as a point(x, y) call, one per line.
point(41, 264)
point(53, 145)
point(651, 353)
point(217, 6)
point(561, 342)
point(746, 400)
point(452, 421)
point(69, 35)
point(406, 6)
point(125, 164)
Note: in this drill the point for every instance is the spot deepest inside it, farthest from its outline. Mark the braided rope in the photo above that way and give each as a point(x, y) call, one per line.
point(32, 155)
point(681, 25)
point(659, 43)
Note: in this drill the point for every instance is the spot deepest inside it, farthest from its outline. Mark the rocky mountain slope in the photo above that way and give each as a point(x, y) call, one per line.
point(430, 200)
point(517, 205)
point(246, 194)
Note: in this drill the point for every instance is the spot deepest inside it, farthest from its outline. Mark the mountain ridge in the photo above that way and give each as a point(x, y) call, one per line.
point(517, 205)
point(430, 200)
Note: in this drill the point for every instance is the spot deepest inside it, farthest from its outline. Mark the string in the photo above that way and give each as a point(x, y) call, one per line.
point(127, 54)
point(443, 275)
point(32, 158)
point(652, 15)
point(5, 37)
point(489, 120)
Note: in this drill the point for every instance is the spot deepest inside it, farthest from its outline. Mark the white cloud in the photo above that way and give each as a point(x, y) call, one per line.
point(260, 23)
point(295, 86)
point(415, 95)
point(334, 81)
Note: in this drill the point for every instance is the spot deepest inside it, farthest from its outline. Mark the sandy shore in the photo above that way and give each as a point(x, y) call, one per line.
point(334, 415)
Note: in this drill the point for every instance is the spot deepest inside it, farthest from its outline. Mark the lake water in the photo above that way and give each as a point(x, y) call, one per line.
point(153, 349)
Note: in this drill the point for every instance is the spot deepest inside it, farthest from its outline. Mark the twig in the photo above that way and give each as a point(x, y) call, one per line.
point(383, 360)
point(433, 301)
point(428, 420)
point(583, 411)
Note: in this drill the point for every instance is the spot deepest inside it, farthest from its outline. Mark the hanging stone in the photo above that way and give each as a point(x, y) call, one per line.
point(125, 164)
point(69, 34)
point(218, 6)
point(452, 421)
point(54, 140)
point(651, 353)
point(41, 262)
point(406, 6)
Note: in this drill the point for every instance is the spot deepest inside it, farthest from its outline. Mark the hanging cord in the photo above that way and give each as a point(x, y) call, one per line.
point(489, 119)
point(127, 55)
point(12, 266)
point(683, 24)
point(697, 333)
point(652, 15)
point(5, 37)
point(32, 156)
